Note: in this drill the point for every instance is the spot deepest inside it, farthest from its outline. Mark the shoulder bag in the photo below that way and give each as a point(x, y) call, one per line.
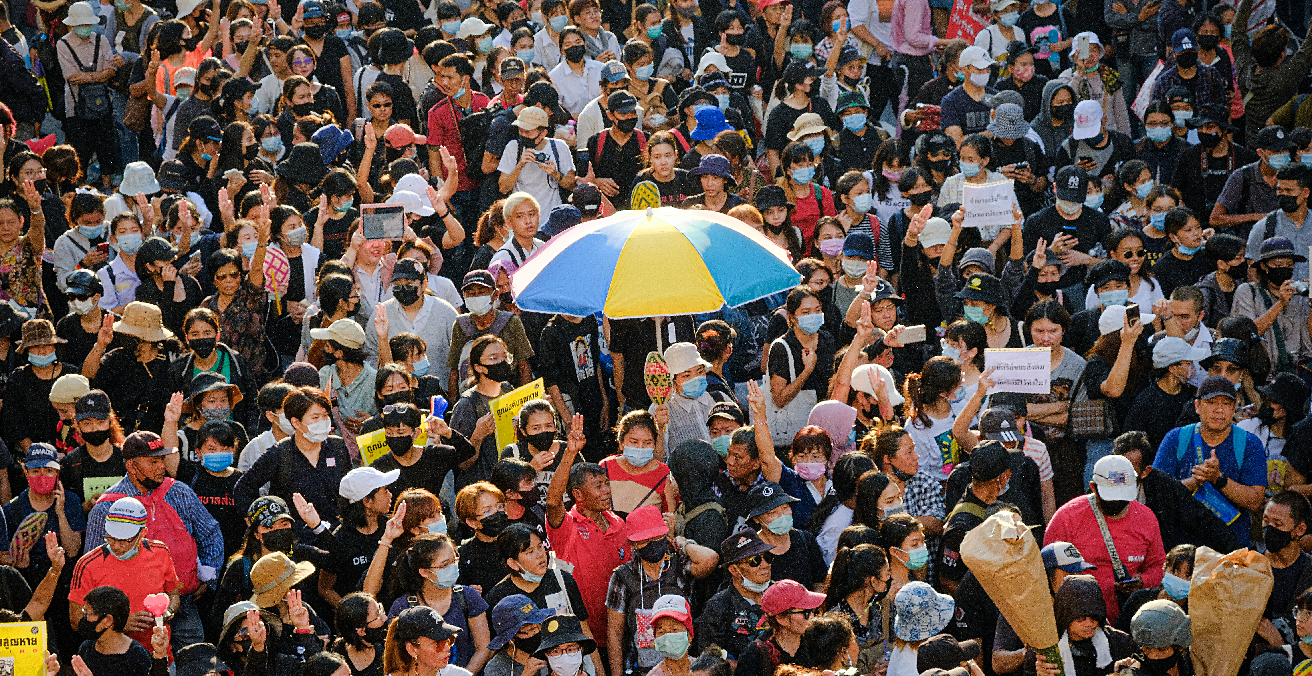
point(1090, 418)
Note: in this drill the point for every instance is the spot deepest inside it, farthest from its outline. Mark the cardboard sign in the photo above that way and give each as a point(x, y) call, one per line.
point(374, 444)
point(23, 648)
point(506, 407)
point(988, 205)
point(93, 486)
point(1026, 369)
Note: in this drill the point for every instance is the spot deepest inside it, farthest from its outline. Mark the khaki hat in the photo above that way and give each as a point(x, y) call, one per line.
point(343, 332)
point(38, 332)
point(144, 321)
point(81, 14)
point(274, 575)
point(807, 124)
point(531, 117)
point(68, 388)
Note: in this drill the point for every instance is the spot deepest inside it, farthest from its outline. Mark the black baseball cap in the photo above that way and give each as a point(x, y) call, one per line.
point(767, 495)
point(478, 278)
point(408, 268)
point(1273, 138)
point(989, 460)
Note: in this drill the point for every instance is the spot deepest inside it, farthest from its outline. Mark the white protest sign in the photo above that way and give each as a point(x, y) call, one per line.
point(1025, 369)
point(988, 205)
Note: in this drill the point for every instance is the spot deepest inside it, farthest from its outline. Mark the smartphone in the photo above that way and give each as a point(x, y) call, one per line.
point(912, 334)
point(1021, 165)
point(1131, 313)
point(382, 221)
point(103, 247)
point(1082, 46)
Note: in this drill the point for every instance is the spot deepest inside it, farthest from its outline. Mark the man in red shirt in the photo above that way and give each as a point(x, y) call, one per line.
point(130, 562)
point(590, 536)
point(452, 77)
point(1132, 527)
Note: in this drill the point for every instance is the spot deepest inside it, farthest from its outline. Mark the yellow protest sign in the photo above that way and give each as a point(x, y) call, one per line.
point(506, 407)
point(374, 444)
point(23, 648)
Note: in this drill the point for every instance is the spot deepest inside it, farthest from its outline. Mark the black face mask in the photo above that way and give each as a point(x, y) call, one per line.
point(941, 166)
point(202, 347)
point(541, 440)
point(1095, 141)
point(1162, 666)
point(302, 109)
point(1288, 203)
point(241, 46)
point(920, 199)
point(1047, 288)
point(251, 152)
point(329, 358)
point(95, 438)
point(375, 635)
point(193, 42)
point(86, 628)
point(1275, 538)
point(493, 524)
point(575, 54)
point(851, 81)
point(208, 88)
point(316, 32)
point(1209, 42)
point(528, 645)
point(736, 39)
point(1277, 276)
point(278, 540)
point(400, 445)
point(531, 498)
point(522, 23)
point(1112, 507)
point(406, 295)
point(499, 373)
point(1063, 113)
point(1236, 272)
point(879, 595)
point(1187, 59)
point(1209, 140)
point(150, 484)
point(626, 126)
point(398, 397)
point(654, 551)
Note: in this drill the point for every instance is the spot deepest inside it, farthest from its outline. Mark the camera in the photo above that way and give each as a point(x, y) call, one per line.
point(539, 156)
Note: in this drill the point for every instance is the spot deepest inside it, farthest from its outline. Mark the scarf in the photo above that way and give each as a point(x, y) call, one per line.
point(1100, 645)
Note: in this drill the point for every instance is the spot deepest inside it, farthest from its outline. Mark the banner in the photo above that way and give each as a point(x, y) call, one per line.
point(23, 649)
point(1025, 369)
point(506, 407)
point(988, 205)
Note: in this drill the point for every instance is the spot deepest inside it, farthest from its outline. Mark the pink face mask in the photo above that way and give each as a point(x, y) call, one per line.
point(891, 175)
point(1022, 74)
point(43, 485)
point(832, 247)
point(810, 470)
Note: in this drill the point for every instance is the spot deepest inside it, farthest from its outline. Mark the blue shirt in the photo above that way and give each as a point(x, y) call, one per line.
point(20, 508)
point(1253, 472)
point(202, 526)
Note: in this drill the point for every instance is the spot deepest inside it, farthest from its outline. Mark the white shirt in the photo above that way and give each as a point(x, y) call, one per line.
point(254, 449)
point(266, 97)
point(444, 289)
point(123, 287)
point(546, 51)
point(576, 90)
point(866, 13)
point(833, 526)
point(372, 290)
point(533, 180)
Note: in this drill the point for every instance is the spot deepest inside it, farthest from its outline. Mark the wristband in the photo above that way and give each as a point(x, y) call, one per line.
point(1221, 483)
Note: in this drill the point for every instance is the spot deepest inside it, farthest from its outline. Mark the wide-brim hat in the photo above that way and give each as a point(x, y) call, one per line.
point(807, 124)
point(304, 164)
point(139, 178)
point(1279, 247)
point(49, 6)
point(714, 165)
point(681, 357)
point(209, 381)
point(1288, 390)
point(143, 321)
point(985, 288)
point(1009, 122)
point(1232, 350)
point(560, 630)
point(83, 14)
point(511, 614)
point(274, 575)
point(920, 612)
point(771, 196)
point(38, 332)
point(742, 545)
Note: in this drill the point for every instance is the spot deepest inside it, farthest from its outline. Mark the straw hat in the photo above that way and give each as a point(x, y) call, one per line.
point(274, 575)
point(807, 124)
point(144, 321)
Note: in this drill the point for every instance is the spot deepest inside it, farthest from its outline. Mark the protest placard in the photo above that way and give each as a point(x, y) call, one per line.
point(23, 649)
point(374, 444)
point(93, 486)
point(988, 204)
point(1026, 369)
point(506, 407)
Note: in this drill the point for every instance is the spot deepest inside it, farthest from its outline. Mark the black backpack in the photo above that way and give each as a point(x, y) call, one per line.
point(474, 126)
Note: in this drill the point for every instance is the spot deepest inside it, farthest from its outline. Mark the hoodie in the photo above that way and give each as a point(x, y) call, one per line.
point(1079, 596)
point(694, 464)
point(1052, 136)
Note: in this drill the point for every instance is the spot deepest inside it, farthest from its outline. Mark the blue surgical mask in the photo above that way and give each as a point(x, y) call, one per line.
point(537, 19)
point(558, 24)
point(485, 44)
point(1176, 586)
point(722, 100)
point(1278, 161)
point(272, 144)
point(694, 387)
point(803, 175)
point(344, 33)
point(531, 578)
point(1306, 159)
point(130, 243)
point(1182, 116)
point(721, 444)
point(206, 156)
point(216, 462)
point(1226, 29)
point(421, 367)
point(459, 93)
point(1093, 201)
point(128, 554)
point(811, 323)
point(92, 231)
point(855, 122)
point(1188, 250)
point(949, 350)
point(918, 557)
point(969, 169)
point(41, 359)
point(447, 577)
point(817, 145)
point(451, 27)
point(781, 525)
point(248, 249)
point(84, 31)
point(1143, 189)
point(438, 527)
point(1158, 134)
point(655, 31)
point(1116, 297)
point(1157, 220)
point(638, 457)
point(862, 203)
point(840, 24)
point(526, 55)
point(802, 51)
point(1009, 19)
point(346, 206)
point(644, 73)
point(975, 314)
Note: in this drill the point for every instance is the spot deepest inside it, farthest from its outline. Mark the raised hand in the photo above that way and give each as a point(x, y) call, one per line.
point(755, 401)
point(918, 222)
point(297, 611)
point(52, 664)
point(256, 629)
point(381, 324)
point(575, 440)
point(79, 666)
point(437, 428)
point(394, 529)
point(958, 217)
point(54, 551)
point(485, 426)
point(173, 409)
point(1040, 253)
point(307, 511)
point(31, 195)
point(985, 382)
point(865, 328)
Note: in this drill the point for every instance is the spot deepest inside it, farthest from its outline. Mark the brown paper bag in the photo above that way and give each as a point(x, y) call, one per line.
point(1006, 560)
point(1226, 600)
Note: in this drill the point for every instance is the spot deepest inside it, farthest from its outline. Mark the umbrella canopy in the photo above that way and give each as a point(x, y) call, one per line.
point(663, 261)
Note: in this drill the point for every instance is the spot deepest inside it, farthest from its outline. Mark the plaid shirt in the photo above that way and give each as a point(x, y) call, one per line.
point(1209, 87)
point(923, 496)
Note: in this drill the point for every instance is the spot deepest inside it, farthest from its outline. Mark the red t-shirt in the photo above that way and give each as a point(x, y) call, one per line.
point(631, 491)
point(149, 572)
point(444, 130)
point(594, 555)
point(1137, 537)
point(808, 211)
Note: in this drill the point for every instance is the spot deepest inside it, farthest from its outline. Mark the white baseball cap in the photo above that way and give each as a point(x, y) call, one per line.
point(473, 26)
point(975, 56)
point(936, 232)
point(126, 518)
point(361, 481)
point(680, 357)
point(1115, 478)
point(412, 203)
point(863, 380)
point(1172, 350)
point(1088, 120)
point(344, 331)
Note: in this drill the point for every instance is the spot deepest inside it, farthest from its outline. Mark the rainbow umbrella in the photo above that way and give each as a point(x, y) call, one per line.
point(663, 261)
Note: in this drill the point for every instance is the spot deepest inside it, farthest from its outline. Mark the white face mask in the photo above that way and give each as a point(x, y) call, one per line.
point(318, 431)
point(567, 664)
point(285, 425)
point(82, 306)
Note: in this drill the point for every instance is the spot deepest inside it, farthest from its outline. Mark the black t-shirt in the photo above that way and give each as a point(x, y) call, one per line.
point(546, 588)
point(1096, 372)
point(569, 358)
point(328, 68)
point(1172, 271)
point(349, 555)
point(1037, 29)
point(135, 661)
point(1155, 411)
point(802, 562)
point(430, 471)
point(79, 465)
point(729, 621)
point(634, 339)
point(217, 494)
point(79, 342)
point(1023, 150)
point(824, 364)
point(673, 192)
point(781, 120)
point(619, 163)
point(951, 567)
point(480, 566)
point(1023, 490)
point(759, 659)
point(731, 200)
point(1281, 601)
point(1089, 228)
point(744, 71)
point(335, 238)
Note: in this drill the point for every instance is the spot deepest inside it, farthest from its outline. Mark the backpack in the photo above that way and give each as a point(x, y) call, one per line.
point(471, 332)
point(473, 126)
point(92, 101)
point(166, 526)
point(683, 517)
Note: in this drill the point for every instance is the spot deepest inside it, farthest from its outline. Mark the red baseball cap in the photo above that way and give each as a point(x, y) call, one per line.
point(401, 135)
point(766, 3)
point(675, 607)
point(645, 523)
point(787, 594)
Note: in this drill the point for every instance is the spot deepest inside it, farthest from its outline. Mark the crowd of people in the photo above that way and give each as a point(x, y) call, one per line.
point(244, 432)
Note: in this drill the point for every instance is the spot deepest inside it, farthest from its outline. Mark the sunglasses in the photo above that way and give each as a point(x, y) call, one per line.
point(227, 275)
point(1136, 253)
point(397, 408)
point(303, 62)
point(758, 559)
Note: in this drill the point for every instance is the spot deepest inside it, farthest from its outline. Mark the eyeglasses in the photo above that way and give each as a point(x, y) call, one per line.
point(1136, 253)
point(219, 277)
point(397, 408)
point(559, 651)
point(806, 614)
point(303, 62)
point(758, 559)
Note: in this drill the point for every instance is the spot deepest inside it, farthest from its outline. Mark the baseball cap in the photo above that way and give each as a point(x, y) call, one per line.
point(267, 510)
point(742, 545)
point(408, 268)
point(343, 332)
point(586, 198)
point(1065, 556)
point(143, 444)
point(126, 518)
point(1113, 319)
point(1107, 271)
point(863, 380)
point(1172, 350)
point(401, 135)
point(1183, 40)
point(614, 71)
point(473, 26)
point(975, 56)
point(422, 622)
point(511, 66)
point(1115, 478)
point(937, 231)
point(787, 594)
point(1273, 138)
point(765, 496)
point(943, 651)
point(1088, 121)
point(204, 127)
point(673, 606)
point(361, 481)
point(41, 455)
point(999, 424)
point(93, 404)
point(1216, 386)
point(1161, 624)
point(859, 245)
point(531, 117)
point(621, 102)
point(478, 278)
point(645, 523)
point(727, 410)
point(68, 388)
point(989, 460)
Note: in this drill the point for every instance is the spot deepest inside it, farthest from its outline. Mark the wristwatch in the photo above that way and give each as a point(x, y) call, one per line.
point(1221, 483)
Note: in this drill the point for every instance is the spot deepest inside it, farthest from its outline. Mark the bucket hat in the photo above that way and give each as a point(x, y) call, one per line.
point(143, 321)
point(714, 165)
point(304, 164)
point(510, 614)
point(920, 612)
point(274, 575)
point(1232, 350)
point(332, 141)
point(985, 288)
point(560, 630)
point(710, 122)
point(139, 179)
point(38, 332)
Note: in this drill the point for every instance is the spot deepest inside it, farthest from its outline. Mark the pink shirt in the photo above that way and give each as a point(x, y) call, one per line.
point(913, 34)
point(1138, 541)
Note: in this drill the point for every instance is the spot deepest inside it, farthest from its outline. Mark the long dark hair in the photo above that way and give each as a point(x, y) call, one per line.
point(892, 149)
point(869, 487)
point(852, 567)
point(406, 579)
point(847, 470)
point(940, 375)
point(353, 613)
point(230, 150)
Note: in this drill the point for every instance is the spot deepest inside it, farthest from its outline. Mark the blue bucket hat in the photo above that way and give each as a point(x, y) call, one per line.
point(333, 141)
point(920, 612)
point(714, 165)
point(710, 121)
point(512, 613)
